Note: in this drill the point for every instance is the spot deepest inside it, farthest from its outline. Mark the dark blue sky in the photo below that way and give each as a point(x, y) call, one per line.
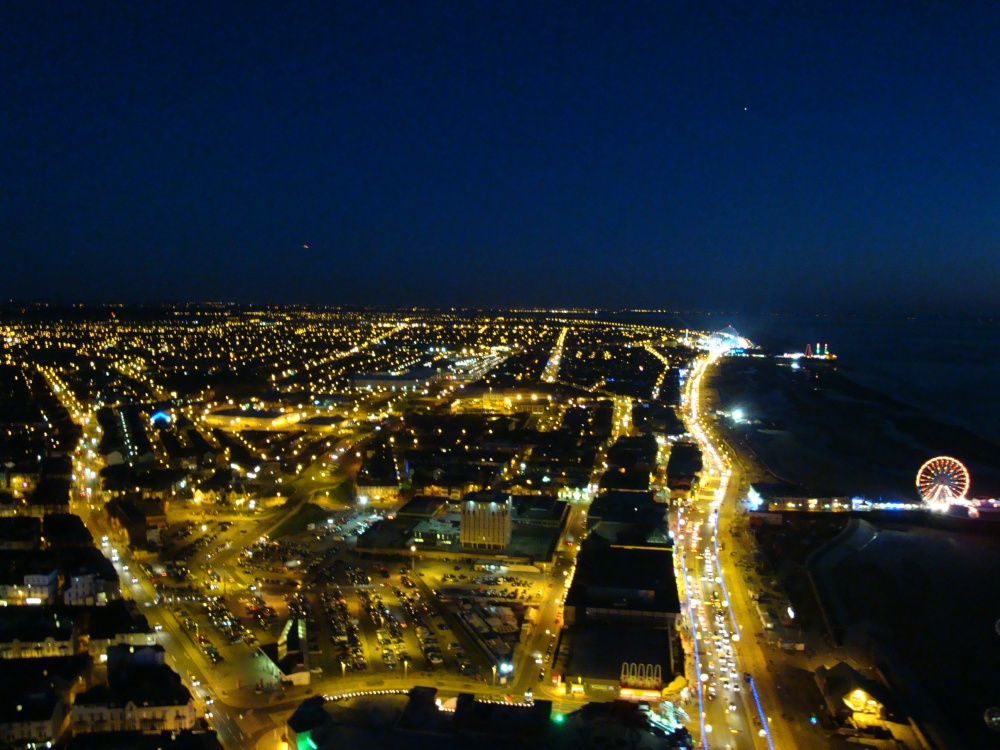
point(687, 155)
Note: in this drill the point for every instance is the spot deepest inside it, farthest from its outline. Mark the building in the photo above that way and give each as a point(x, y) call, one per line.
point(88, 586)
point(486, 521)
point(414, 379)
point(420, 720)
point(659, 420)
point(422, 506)
point(51, 495)
point(138, 519)
point(378, 478)
point(28, 578)
point(141, 694)
point(647, 594)
point(238, 419)
point(442, 530)
point(773, 497)
point(66, 530)
point(11, 504)
point(634, 518)
point(435, 527)
point(89, 577)
point(452, 481)
point(36, 632)
point(377, 490)
point(35, 698)
point(500, 401)
point(118, 623)
point(40, 631)
point(620, 622)
point(683, 469)
point(849, 694)
point(21, 533)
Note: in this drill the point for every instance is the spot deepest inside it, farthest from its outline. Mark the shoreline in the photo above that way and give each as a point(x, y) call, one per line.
point(911, 599)
point(816, 427)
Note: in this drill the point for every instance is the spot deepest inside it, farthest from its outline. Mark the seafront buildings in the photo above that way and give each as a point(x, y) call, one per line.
point(209, 513)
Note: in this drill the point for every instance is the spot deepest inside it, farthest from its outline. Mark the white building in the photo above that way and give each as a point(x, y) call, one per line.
point(486, 522)
point(145, 695)
point(86, 588)
point(37, 587)
point(42, 585)
point(111, 714)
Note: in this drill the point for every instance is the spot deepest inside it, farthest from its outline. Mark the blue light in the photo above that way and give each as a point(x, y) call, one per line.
point(760, 710)
point(160, 415)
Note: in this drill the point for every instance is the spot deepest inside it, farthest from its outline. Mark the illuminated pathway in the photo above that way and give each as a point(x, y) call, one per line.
point(717, 602)
point(666, 368)
point(333, 357)
point(555, 359)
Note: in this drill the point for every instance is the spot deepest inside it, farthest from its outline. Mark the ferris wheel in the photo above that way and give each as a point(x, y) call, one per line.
point(943, 480)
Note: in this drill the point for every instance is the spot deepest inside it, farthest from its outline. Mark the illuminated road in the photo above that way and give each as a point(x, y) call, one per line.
point(718, 613)
point(727, 710)
point(555, 359)
point(718, 602)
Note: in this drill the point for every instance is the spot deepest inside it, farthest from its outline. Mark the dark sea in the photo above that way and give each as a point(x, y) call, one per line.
point(949, 368)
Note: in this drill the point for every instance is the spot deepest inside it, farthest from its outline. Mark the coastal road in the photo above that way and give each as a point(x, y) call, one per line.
point(729, 717)
point(725, 485)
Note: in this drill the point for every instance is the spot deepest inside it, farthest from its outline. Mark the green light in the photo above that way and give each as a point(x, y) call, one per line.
point(558, 718)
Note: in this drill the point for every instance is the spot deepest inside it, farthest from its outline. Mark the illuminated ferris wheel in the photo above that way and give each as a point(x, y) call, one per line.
point(943, 480)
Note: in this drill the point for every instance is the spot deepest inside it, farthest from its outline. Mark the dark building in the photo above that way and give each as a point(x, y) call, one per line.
point(683, 468)
point(633, 518)
point(35, 698)
point(620, 622)
point(139, 695)
point(414, 721)
point(65, 530)
point(21, 533)
point(138, 519)
point(659, 420)
point(50, 496)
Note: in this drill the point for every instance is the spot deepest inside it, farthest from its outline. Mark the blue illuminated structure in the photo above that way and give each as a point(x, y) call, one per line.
point(760, 710)
point(160, 416)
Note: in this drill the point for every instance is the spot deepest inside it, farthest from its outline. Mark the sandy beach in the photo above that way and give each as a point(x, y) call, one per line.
point(814, 427)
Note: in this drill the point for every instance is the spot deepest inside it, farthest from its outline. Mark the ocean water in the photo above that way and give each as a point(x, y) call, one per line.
point(949, 368)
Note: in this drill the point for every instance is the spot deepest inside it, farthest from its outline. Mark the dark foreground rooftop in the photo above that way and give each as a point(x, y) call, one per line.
point(415, 722)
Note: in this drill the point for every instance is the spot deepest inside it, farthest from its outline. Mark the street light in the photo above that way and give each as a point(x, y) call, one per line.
point(343, 669)
point(413, 558)
point(494, 675)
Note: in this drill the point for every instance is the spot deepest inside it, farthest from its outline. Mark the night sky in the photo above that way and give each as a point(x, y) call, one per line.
point(760, 156)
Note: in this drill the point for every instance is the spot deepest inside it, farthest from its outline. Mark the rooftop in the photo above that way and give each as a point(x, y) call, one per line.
point(415, 722)
point(599, 649)
point(141, 684)
point(629, 578)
